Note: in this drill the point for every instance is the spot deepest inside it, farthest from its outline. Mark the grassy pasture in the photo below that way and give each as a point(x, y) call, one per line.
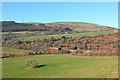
point(14, 51)
point(83, 24)
point(61, 66)
point(19, 32)
point(89, 29)
point(71, 35)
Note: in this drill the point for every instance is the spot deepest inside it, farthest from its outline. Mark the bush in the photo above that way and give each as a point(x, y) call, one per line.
point(28, 42)
point(76, 52)
point(19, 42)
point(12, 55)
point(75, 47)
point(97, 46)
point(115, 45)
point(66, 51)
point(89, 47)
point(60, 46)
point(4, 55)
point(83, 47)
point(32, 53)
point(86, 41)
point(31, 64)
point(63, 37)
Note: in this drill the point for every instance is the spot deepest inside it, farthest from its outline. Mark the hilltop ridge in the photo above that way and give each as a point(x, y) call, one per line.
point(54, 26)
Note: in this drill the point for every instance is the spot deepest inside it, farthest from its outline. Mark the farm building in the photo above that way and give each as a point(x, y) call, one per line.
point(54, 48)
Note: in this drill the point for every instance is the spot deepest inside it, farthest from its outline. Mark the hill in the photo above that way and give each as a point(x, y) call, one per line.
point(59, 27)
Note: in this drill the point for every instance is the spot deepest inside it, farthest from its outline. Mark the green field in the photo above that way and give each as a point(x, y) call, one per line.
point(71, 35)
point(88, 29)
point(19, 32)
point(14, 51)
point(61, 66)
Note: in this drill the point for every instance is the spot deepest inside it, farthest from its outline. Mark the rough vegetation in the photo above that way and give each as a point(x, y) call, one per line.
point(99, 45)
point(101, 42)
point(31, 64)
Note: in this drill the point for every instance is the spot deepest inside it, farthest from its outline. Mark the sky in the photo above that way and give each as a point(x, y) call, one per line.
point(102, 13)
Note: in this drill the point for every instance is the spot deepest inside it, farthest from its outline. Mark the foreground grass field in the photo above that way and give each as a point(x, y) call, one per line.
point(14, 51)
point(61, 66)
point(71, 35)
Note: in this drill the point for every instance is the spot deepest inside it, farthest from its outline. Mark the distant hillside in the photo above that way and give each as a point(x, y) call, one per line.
point(82, 26)
point(54, 27)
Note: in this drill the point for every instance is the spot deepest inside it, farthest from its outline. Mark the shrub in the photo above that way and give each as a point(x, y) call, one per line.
point(75, 47)
point(66, 29)
point(115, 45)
point(5, 39)
point(76, 52)
point(67, 46)
point(19, 42)
point(31, 64)
point(32, 53)
point(28, 42)
point(4, 55)
point(66, 51)
point(83, 47)
point(110, 42)
point(97, 46)
point(60, 46)
point(12, 55)
point(86, 41)
point(89, 47)
point(72, 47)
point(63, 37)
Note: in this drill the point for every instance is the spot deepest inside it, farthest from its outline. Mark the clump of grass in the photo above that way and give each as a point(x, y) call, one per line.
point(31, 64)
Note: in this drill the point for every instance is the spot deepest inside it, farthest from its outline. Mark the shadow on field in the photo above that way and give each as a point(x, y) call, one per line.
point(39, 66)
